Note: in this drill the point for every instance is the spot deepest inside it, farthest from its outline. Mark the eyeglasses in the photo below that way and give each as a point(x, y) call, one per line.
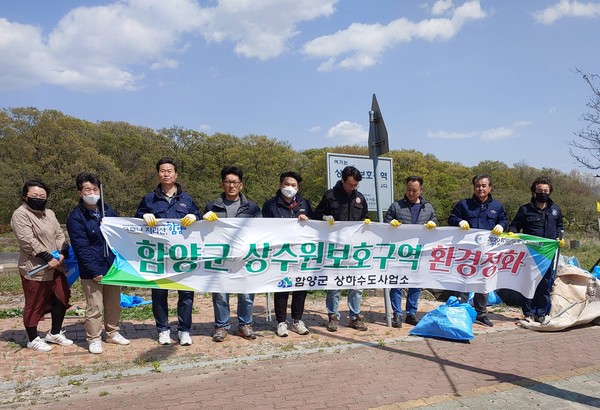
point(232, 183)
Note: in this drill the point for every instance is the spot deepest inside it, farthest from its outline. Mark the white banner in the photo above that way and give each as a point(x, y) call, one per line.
point(240, 255)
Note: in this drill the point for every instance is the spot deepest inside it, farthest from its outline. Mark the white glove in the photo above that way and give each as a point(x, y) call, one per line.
point(329, 219)
point(150, 219)
point(430, 225)
point(188, 220)
point(395, 223)
point(498, 229)
point(210, 216)
point(464, 225)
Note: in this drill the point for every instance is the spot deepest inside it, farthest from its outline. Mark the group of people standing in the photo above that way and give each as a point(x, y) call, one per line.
point(42, 243)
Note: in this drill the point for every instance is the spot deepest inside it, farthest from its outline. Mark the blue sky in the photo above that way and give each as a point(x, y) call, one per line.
point(465, 81)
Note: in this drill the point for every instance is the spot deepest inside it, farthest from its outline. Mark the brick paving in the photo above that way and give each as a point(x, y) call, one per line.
point(502, 367)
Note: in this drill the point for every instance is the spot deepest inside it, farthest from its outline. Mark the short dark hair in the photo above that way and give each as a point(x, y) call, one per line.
point(34, 182)
point(166, 160)
point(232, 170)
point(479, 177)
point(84, 177)
point(290, 174)
point(414, 178)
point(351, 171)
point(541, 180)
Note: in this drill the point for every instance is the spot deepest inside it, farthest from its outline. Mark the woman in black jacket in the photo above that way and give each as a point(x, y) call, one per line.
point(287, 203)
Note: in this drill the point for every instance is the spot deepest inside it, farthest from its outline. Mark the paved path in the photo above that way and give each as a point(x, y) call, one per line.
point(503, 367)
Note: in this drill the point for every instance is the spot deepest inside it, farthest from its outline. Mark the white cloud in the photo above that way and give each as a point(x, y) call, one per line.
point(348, 133)
point(441, 7)
point(492, 134)
point(261, 29)
point(103, 47)
point(204, 128)
point(567, 8)
point(314, 129)
point(361, 46)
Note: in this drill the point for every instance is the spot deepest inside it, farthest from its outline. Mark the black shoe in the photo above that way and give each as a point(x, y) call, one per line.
point(397, 321)
point(412, 320)
point(483, 319)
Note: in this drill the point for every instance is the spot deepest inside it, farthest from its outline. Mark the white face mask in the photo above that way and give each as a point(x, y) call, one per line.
point(289, 192)
point(91, 199)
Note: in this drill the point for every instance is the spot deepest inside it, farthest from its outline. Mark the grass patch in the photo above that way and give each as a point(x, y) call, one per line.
point(103, 393)
point(288, 347)
point(10, 283)
point(70, 371)
point(10, 313)
point(76, 382)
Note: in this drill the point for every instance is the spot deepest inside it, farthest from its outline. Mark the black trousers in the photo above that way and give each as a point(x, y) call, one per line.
point(479, 301)
point(281, 301)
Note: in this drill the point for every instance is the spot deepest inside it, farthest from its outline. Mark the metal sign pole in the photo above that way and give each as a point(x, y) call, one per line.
point(378, 144)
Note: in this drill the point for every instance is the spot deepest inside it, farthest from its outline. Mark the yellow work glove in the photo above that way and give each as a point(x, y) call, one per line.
point(150, 219)
point(561, 243)
point(511, 233)
point(210, 216)
point(188, 220)
point(329, 219)
point(430, 225)
point(498, 229)
point(464, 225)
point(395, 223)
point(367, 221)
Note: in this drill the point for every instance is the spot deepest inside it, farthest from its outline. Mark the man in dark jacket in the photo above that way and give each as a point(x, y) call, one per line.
point(232, 204)
point(540, 217)
point(169, 200)
point(412, 209)
point(288, 203)
point(94, 260)
point(481, 211)
point(344, 203)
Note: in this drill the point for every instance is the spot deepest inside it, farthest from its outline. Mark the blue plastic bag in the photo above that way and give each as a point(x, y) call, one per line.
point(133, 301)
point(454, 321)
point(493, 299)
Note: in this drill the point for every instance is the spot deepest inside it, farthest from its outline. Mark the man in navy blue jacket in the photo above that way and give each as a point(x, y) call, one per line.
point(481, 211)
point(540, 217)
point(94, 260)
point(168, 200)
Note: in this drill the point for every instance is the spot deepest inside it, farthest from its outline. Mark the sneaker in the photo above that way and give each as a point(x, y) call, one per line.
point(118, 340)
point(39, 345)
point(184, 338)
point(397, 321)
point(282, 330)
point(300, 328)
point(95, 347)
point(412, 320)
point(332, 326)
point(164, 337)
point(528, 318)
point(358, 323)
point(59, 339)
point(246, 332)
point(539, 319)
point(220, 334)
point(483, 319)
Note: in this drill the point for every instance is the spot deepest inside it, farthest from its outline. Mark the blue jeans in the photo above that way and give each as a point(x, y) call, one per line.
point(412, 300)
point(160, 309)
point(333, 301)
point(221, 307)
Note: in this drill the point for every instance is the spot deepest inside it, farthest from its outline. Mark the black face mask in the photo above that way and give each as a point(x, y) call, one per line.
point(37, 204)
point(542, 197)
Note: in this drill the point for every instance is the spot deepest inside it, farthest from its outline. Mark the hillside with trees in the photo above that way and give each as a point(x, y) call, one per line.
point(55, 148)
